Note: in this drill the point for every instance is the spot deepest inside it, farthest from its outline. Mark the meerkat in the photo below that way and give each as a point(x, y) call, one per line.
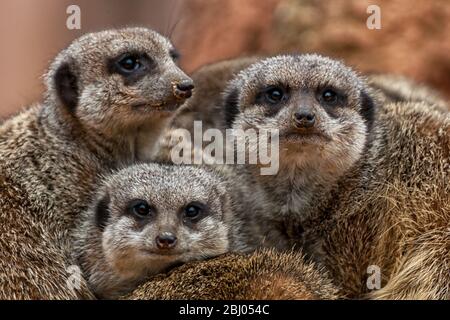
point(105, 92)
point(149, 217)
point(263, 275)
point(360, 183)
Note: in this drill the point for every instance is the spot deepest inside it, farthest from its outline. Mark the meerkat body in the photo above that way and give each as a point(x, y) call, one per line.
point(103, 91)
point(360, 183)
point(392, 210)
point(263, 275)
point(394, 88)
point(147, 218)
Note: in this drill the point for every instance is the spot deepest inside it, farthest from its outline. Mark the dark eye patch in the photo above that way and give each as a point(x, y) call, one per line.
point(132, 66)
point(273, 97)
point(140, 209)
point(331, 98)
point(194, 212)
point(175, 55)
point(129, 64)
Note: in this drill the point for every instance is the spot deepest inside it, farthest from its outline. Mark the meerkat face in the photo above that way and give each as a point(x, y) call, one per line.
point(155, 216)
point(320, 107)
point(119, 79)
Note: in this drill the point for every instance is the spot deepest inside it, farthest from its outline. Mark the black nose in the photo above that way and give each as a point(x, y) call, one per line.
point(166, 241)
point(183, 89)
point(304, 119)
point(185, 85)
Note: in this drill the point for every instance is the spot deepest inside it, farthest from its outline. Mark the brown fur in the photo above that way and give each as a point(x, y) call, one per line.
point(397, 88)
point(51, 155)
point(393, 209)
point(263, 275)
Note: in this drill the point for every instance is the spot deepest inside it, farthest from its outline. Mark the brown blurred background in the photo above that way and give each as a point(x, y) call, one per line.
point(414, 39)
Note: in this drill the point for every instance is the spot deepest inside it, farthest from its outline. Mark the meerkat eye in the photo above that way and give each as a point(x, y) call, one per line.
point(194, 210)
point(130, 63)
point(140, 208)
point(274, 95)
point(329, 96)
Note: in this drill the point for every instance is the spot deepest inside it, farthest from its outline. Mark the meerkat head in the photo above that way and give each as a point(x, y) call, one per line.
point(117, 79)
point(322, 109)
point(152, 216)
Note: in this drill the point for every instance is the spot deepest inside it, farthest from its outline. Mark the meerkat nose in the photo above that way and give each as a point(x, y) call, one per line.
point(304, 119)
point(183, 89)
point(166, 241)
point(185, 85)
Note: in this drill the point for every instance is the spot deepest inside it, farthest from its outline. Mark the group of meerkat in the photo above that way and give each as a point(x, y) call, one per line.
point(364, 169)
point(107, 99)
point(86, 180)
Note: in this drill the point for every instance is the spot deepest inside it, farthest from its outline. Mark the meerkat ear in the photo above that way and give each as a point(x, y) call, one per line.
point(368, 106)
point(102, 212)
point(231, 106)
point(66, 85)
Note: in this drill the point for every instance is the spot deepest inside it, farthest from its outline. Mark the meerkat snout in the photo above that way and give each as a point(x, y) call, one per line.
point(166, 240)
point(305, 118)
point(183, 89)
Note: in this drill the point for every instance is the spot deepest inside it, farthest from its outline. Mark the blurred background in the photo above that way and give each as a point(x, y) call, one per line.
point(414, 39)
